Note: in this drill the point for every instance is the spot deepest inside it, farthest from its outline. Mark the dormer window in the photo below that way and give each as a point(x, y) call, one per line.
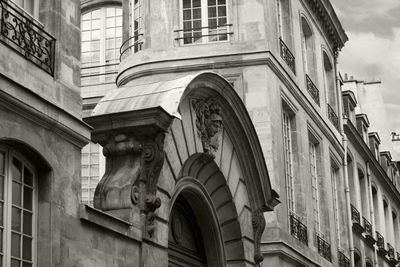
point(362, 126)
point(349, 104)
point(374, 142)
point(204, 21)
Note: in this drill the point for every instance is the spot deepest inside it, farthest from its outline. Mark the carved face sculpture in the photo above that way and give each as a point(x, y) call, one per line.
point(215, 125)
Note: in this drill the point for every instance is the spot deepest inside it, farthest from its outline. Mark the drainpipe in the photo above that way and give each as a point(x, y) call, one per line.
point(347, 195)
point(372, 211)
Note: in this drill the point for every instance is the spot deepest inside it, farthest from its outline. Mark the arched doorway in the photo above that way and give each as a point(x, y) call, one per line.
point(185, 243)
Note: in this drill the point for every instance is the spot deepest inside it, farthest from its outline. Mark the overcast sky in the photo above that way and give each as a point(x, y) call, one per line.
point(373, 49)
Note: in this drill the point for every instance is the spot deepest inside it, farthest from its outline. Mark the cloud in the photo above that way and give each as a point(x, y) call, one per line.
point(368, 56)
point(379, 17)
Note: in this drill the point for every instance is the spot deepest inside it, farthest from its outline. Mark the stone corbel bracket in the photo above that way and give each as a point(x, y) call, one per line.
point(133, 144)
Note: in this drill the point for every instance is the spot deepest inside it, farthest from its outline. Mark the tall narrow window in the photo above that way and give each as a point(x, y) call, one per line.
point(284, 22)
point(287, 140)
point(307, 39)
point(335, 194)
point(329, 78)
point(18, 210)
point(136, 25)
point(313, 153)
point(204, 21)
point(101, 41)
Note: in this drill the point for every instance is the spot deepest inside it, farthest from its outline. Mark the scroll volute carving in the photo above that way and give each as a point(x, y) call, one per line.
point(258, 222)
point(209, 125)
point(133, 165)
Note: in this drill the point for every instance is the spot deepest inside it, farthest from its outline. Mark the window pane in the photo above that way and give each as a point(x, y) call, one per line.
point(211, 2)
point(96, 24)
point(1, 214)
point(212, 12)
point(110, 43)
point(15, 245)
point(27, 223)
point(110, 12)
point(28, 198)
point(85, 171)
point(15, 263)
point(16, 194)
point(94, 170)
point(96, 35)
point(196, 3)
point(1, 162)
point(17, 170)
point(28, 177)
point(96, 14)
point(26, 264)
point(95, 45)
point(118, 21)
point(1, 188)
point(221, 2)
point(85, 25)
point(197, 13)
point(16, 219)
point(186, 3)
point(110, 22)
point(187, 14)
point(27, 248)
point(221, 11)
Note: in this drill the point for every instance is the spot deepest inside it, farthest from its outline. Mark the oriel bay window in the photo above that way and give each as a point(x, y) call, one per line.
point(17, 209)
point(204, 21)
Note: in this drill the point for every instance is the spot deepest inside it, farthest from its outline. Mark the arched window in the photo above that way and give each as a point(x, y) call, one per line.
point(329, 79)
point(284, 22)
point(308, 47)
point(18, 204)
point(101, 41)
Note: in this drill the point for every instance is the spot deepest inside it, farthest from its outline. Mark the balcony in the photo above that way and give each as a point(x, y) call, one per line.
point(287, 56)
point(390, 254)
point(312, 89)
point(369, 238)
point(333, 117)
point(356, 219)
point(343, 260)
point(324, 248)
point(98, 80)
point(298, 229)
point(131, 46)
point(22, 34)
point(380, 243)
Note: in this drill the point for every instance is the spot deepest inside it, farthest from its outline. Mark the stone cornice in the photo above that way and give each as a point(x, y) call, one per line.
point(375, 135)
point(350, 95)
point(325, 14)
point(364, 118)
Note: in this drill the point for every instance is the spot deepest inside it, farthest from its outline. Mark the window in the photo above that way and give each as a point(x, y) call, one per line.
point(308, 45)
point(135, 28)
point(18, 210)
point(335, 194)
point(29, 6)
point(284, 22)
point(313, 154)
point(329, 78)
point(101, 40)
point(92, 170)
point(287, 144)
point(204, 21)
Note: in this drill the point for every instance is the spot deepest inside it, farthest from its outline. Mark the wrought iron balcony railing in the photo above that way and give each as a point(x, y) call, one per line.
point(131, 46)
point(380, 242)
point(367, 227)
point(22, 34)
point(205, 34)
point(398, 256)
point(333, 117)
point(99, 74)
point(390, 251)
point(298, 229)
point(324, 248)
point(312, 89)
point(356, 219)
point(287, 55)
point(343, 260)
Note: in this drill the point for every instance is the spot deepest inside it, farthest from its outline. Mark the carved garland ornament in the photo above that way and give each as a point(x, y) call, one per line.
point(209, 125)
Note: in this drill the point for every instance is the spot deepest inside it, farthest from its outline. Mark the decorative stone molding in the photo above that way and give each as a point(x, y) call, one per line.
point(135, 155)
point(258, 222)
point(208, 124)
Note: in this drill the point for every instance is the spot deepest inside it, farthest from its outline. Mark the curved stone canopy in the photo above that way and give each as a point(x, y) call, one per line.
point(130, 101)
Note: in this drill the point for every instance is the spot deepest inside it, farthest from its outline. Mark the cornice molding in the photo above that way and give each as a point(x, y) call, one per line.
point(325, 14)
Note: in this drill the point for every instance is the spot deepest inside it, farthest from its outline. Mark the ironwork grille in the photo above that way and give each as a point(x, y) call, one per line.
point(368, 227)
point(287, 55)
point(333, 117)
point(390, 251)
point(380, 241)
point(324, 248)
point(20, 33)
point(298, 229)
point(312, 89)
point(343, 260)
point(355, 215)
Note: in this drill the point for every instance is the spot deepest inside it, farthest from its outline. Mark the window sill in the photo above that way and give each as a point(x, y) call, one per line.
point(107, 221)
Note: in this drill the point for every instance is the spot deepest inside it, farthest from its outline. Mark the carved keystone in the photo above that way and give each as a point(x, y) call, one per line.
point(209, 125)
point(133, 145)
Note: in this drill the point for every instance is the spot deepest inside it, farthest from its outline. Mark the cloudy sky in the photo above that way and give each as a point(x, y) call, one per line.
point(373, 49)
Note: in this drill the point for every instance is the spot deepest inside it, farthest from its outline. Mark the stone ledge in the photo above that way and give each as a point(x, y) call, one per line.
point(110, 222)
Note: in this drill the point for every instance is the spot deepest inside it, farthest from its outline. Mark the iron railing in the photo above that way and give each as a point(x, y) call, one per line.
point(287, 56)
point(380, 241)
point(333, 117)
point(131, 46)
point(298, 229)
point(355, 215)
point(367, 227)
point(195, 35)
point(324, 248)
point(343, 260)
point(390, 251)
point(398, 256)
point(99, 74)
point(312, 89)
point(22, 34)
